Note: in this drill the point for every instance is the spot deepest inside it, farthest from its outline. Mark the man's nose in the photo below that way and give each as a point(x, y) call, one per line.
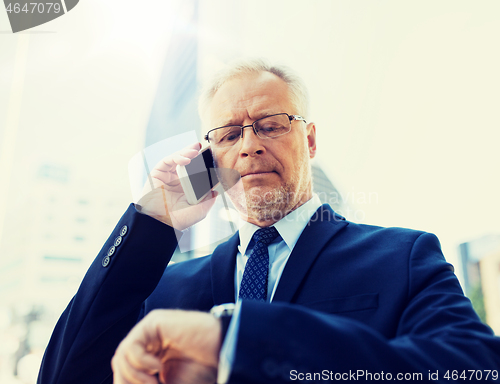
point(250, 143)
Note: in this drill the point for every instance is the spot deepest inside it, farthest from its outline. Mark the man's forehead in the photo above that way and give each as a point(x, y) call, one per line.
point(249, 95)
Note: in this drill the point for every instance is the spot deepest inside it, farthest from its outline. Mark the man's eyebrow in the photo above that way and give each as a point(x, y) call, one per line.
point(263, 114)
point(257, 116)
point(225, 123)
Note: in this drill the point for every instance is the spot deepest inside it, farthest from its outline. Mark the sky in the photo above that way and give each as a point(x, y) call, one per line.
point(404, 95)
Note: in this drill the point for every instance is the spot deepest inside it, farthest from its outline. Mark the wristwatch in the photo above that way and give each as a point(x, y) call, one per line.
point(224, 312)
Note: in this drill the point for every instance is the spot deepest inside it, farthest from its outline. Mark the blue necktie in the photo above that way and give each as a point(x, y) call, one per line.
point(254, 281)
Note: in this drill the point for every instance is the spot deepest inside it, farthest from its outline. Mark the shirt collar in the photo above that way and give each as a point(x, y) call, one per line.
point(290, 227)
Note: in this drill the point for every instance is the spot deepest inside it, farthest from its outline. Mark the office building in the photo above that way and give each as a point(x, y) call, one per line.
point(481, 268)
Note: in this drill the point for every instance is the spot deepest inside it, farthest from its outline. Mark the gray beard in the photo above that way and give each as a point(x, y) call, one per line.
point(274, 204)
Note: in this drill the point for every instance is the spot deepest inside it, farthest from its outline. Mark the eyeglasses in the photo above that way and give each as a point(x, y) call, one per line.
point(268, 127)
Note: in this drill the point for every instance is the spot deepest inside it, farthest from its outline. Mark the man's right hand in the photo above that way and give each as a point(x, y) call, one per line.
point(165, 200)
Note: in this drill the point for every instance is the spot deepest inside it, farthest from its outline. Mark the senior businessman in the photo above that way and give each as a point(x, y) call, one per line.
point(299, 293)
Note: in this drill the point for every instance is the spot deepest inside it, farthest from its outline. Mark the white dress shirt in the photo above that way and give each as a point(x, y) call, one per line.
point(289, 228)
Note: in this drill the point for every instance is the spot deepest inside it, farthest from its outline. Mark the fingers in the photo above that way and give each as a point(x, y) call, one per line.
point(133, 365)
point(135, 360)
point(182, 157)
point(186, 371)
point(165, 170)
point(168, 178)
point(180, 346)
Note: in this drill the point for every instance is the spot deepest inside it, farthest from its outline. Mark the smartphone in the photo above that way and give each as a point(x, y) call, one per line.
point(198, 178)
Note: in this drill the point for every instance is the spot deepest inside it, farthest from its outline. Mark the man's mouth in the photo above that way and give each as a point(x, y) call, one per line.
point(256, 174)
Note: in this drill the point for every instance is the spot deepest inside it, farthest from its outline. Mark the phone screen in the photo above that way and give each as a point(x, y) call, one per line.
point(201, 173)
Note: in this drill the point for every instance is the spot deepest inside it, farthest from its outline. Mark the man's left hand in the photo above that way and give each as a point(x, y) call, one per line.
point(179, 347)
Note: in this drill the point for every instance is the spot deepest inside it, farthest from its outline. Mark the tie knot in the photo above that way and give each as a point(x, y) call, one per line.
point(265, 235)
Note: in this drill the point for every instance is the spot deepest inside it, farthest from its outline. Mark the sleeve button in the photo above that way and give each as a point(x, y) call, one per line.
point(124, 230)
point(118, 241)
point(105, 261)
point(111, 250)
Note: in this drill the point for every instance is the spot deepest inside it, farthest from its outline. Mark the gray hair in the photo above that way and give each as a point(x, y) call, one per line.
point(298, 90)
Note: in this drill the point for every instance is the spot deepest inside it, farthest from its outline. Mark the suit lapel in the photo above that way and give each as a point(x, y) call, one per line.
point(324, 224)
point(223, 265)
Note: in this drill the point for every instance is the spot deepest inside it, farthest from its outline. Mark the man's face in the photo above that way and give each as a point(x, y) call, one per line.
point(275, 173)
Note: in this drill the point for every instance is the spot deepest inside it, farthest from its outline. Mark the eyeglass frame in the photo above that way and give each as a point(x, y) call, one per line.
point(242, 127)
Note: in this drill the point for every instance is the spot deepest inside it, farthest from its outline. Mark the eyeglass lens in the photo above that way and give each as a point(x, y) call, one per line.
point(268, 127)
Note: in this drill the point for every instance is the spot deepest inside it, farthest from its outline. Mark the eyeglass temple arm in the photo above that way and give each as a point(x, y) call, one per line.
point(297, 117)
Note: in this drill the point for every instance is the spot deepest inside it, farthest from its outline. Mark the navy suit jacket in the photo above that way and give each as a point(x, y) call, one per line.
point(352, 299)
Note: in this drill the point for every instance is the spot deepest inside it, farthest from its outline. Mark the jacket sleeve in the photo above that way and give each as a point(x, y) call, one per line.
point(438, 332)
point(108, 302)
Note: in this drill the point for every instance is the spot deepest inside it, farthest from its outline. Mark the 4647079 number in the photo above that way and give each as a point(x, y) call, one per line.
point(35, 8)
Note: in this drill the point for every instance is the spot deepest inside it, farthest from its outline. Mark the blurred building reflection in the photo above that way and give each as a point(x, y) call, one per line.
point(481, 265)
point(64, 222)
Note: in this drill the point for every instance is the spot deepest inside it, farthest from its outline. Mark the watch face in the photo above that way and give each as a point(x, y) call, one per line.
point(223, 310)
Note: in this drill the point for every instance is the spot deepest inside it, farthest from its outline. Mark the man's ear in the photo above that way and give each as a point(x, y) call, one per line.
point(311, 139)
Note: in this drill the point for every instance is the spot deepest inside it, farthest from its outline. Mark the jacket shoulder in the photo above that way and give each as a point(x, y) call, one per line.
point(389, 234)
